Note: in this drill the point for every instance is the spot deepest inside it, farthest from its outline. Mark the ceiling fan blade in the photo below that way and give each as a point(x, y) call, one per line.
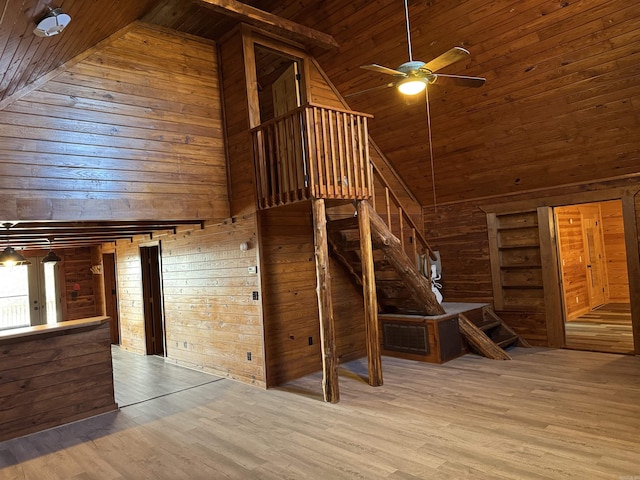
point(446, 59)
point(458, 80)
point(379, 87)
point(381, 69)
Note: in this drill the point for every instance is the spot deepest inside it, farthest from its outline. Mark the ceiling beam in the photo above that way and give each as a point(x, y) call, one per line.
point(271, 23)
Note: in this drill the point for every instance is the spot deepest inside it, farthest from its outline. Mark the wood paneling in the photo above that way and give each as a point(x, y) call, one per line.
point(130, 305)
point(617, 274)
point(211, 320)
point(291, 316)
point(52, 377)
point(77, 285)
point(573, 261)
point(459, 231)
point(26, 57)
point(558, 106)
point(236, 112)
point(145, 101)
point(290, 300)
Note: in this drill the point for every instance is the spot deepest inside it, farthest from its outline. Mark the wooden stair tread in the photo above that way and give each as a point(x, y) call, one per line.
point(489, 325)
point(342, 224)
point(505, 342)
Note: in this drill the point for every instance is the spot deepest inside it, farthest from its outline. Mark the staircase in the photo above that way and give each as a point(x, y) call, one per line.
point(489, 335)
point(400, 287)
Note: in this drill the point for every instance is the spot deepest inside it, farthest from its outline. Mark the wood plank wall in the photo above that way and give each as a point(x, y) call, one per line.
point(292, 332)
point(292, 329)
point(573, 261)
point(129, 287)
point(75, 269)
point(615, 251)
point(236, 112)
point(574, 256)
point(459, 231)
point(145, 100)
point(211, 320)
point(54, 378)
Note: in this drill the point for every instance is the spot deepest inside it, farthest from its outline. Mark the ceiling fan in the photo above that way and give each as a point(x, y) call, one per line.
point(412, 77)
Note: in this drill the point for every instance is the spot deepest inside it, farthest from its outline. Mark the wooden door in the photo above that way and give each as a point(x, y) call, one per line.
point(286, 97)
point(594, 251)
point(152, 300)
point(286, 91)
point(111, 295)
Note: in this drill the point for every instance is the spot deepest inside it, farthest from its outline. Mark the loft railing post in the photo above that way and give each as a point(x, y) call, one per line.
point(312, 151)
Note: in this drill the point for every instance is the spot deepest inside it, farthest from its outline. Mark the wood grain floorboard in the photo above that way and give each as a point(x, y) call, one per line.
point(546, 414)
point(605, 329)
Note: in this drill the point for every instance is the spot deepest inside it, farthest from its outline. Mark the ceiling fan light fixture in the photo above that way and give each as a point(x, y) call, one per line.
point(52, 24)
point(412, 85)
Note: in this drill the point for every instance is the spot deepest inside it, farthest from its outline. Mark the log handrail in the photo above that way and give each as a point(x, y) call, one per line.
point(391, 197)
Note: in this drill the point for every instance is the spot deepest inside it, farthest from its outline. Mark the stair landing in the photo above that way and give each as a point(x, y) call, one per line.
point(433, 339)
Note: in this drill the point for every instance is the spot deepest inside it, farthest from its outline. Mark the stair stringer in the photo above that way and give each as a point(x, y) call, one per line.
point(413, 282)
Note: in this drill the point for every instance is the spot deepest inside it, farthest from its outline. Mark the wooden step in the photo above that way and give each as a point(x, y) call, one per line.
point(342, 224)
point(489, 325)
point(479, 340)
point(507, 341)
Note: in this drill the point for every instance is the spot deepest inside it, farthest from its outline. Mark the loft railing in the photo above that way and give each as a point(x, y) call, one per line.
point(312, 152)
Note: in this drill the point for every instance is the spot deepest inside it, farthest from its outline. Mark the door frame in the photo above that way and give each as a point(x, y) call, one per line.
point(554, 307)
point(152, 299)
point(111, 294)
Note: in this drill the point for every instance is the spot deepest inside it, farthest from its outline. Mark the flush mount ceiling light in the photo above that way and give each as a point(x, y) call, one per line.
point(53, 23)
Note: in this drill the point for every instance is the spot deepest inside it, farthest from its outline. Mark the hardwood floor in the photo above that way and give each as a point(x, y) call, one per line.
point(605, 329)
point(546, 414)
point(138, 378)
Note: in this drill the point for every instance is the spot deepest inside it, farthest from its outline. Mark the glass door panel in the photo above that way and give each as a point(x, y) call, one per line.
point(14, 297)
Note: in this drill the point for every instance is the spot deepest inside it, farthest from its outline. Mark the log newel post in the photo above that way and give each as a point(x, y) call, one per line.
point(372, 330)
point(330, 388)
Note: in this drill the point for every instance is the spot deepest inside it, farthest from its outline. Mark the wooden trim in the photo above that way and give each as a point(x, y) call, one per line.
point(270, 22)
point(494, 256)
point(330, 388)
point(251, 78)
point(591, 196)
point(372, 327)
point(551, 279)
point(632, 241)
point(7, 336)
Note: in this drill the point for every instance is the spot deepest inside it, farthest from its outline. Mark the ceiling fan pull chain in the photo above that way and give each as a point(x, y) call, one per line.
point(406, 15)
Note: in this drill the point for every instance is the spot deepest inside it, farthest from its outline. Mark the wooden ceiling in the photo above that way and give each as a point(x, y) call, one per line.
point(559, 107)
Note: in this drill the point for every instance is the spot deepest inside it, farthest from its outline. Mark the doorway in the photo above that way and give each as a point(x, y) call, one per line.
point(152, 300)
point(111, 295)
point(30, 294)
point(594, 277)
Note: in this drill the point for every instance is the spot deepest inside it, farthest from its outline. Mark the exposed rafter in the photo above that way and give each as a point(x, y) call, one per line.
point(271, 23)
point(39, 235)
